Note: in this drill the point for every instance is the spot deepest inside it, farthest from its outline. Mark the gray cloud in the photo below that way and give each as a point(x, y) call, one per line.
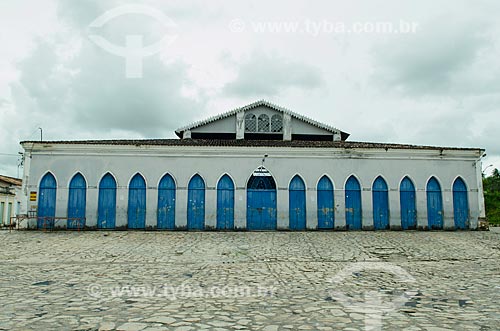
point(88, 89)
point(432, 61)
point(264, 75)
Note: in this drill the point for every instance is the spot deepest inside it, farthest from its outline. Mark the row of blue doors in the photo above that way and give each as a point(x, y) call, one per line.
point(261, 203)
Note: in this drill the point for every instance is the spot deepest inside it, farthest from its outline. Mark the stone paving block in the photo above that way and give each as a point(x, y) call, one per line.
point(249, 280)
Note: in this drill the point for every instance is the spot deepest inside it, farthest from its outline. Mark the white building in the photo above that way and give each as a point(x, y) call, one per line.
point(10, 199)
point(258, 167)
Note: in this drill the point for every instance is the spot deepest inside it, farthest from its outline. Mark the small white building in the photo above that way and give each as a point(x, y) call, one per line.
point(10, 199)
point(258, 167)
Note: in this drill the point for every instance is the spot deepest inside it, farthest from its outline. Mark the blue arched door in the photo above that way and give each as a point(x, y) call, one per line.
point(77, 202)
point(408, 204)
point(196, 204)
point(166, 203)
point(261, 203)
point(326, 211)
point(434, 204)
point(136, 212)
point(297, 204)
point(47, 202)
point(380, 199)
point(225, 203)
point(106, 210)
point(353, 204)
point(460, 204)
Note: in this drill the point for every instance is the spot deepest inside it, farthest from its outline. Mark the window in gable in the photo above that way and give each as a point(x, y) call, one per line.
point(276, 123)
point(263, 123)
point(250, 123)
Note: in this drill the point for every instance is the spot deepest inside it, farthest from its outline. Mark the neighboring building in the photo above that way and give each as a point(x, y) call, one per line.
point(10, 198)
point(258, 167)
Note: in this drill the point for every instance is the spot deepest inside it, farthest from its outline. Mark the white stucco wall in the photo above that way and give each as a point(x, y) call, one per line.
point(182, 162)
point(9, 205)
point(224, 125)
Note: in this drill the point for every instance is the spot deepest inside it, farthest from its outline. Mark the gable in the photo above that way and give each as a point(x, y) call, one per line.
point(263, 121)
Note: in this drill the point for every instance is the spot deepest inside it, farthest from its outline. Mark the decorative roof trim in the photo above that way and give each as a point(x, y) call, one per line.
point(253, 105)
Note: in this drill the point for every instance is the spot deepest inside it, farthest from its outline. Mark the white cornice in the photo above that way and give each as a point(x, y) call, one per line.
point(244, 152)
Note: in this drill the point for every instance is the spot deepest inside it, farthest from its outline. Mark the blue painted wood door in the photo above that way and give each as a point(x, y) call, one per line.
point(434, 205)
point(353, 204)
point(261, 203)
point(225, 204)
point(77, 202)
point(326, 211)
point(297, 204)
point(196, 204)
point(47, 202)
point(136, 212)
point(460, 205)
point(380, 199)
point(166, 203)
point(408, 204)
point(106, 210)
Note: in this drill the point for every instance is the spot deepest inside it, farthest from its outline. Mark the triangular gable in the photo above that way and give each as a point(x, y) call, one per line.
point(306, 123)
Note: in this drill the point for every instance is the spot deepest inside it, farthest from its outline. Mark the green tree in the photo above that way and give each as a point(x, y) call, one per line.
point(491, 186)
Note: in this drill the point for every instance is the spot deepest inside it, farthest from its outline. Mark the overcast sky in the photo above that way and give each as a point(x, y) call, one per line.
point(437, 85)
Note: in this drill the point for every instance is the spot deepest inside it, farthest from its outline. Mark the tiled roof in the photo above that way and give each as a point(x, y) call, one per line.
point(255, 105)
point(11, 180)
point(246, 143)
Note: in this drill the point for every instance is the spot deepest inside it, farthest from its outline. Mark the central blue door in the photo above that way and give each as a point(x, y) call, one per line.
point(434, 205)
point(380, 199)
point(225, 204)
point(408, 204)
point(136, 211)
point(353, 204)
point(261, 203)
point(47, 202)
point(166, 203)
point(77, 202)
point(196, 204)
point(326, 211)
point(106, 210)
point(460, 205)
point(297, 204)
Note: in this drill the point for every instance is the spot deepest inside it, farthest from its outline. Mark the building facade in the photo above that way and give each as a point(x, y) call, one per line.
point(10, 199)
point(258, 167)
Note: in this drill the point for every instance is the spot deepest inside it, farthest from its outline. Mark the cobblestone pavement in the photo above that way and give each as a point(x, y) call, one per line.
point(255, 281)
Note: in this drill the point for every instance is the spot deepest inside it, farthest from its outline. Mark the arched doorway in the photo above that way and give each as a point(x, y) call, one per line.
point(434, 205)
point(297, 204)
point(47, 202)
point(166, 203)
point(136, 211)
point(407, 200)
point(460, 204)
point(380, 199)
point(77, 202)
point(225, 203)
point(326, 211)
point(353, 204)
point(261, 201)
point(196, 204)
point(106, 210)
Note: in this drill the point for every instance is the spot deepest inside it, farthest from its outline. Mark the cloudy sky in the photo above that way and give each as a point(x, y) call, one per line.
point(338, 62)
